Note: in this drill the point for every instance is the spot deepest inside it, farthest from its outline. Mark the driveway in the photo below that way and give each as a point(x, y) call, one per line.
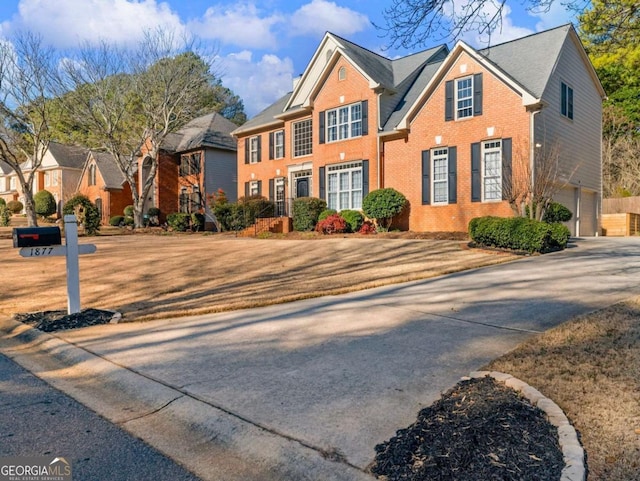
point(306, 390)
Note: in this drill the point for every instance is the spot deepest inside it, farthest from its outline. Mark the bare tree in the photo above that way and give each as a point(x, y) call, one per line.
point(412, 23)
point(537, 178)
point(620, 155)
point(132, 99)
point(26, 71)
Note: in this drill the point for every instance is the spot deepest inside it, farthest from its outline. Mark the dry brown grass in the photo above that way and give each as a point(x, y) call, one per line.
point(151, 276)
point(590, 367)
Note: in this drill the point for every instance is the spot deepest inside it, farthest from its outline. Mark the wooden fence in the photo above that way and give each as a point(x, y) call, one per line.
point(621, 205)
point(620, 224)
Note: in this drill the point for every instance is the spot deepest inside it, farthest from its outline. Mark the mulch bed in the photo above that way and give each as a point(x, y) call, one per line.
point(50, 321)
point(479, 430)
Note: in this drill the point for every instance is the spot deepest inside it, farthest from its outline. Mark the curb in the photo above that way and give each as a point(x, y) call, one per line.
point(212, 443)
point(572, 451)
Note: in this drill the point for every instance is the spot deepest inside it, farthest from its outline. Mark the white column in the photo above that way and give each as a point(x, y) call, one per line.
point(73, 269)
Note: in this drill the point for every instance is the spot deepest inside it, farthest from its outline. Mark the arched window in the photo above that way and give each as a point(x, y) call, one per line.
point(342, 73)
point(92, 174)
point(98, 204)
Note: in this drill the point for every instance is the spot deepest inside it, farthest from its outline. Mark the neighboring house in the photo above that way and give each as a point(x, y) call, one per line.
point(104, 184)
point(8, 183)
point(195, 162)
point(450, 129)
point(58, 173)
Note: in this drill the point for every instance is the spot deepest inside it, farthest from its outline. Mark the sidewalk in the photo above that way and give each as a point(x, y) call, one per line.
point(37, 420)
point(304, 391)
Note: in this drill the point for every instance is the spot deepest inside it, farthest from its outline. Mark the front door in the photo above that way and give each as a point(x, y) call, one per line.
point(302, 187)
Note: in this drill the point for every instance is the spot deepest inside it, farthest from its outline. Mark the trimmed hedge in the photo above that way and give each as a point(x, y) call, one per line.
point(116, 220)
point(306, 211)
point(383, 205)
point(15, 206)
point(5, 215)
point(44, 203)
point(179, 221)
point(518, 233)
point(557, 212)
point(85, 211)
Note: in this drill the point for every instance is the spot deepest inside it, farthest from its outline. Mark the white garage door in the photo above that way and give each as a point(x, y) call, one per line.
point(588, 213)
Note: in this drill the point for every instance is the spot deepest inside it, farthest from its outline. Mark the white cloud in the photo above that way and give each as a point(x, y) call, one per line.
point(556, 15)
point(505, 32)
point(320, 16)
point(239, 24)
point(65, 23)
point(258, 84)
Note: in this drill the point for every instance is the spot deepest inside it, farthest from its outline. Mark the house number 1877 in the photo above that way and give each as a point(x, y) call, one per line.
point(40, 251)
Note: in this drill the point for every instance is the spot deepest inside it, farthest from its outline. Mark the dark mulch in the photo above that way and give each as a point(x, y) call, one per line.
point(50, 321)
point(479, 430)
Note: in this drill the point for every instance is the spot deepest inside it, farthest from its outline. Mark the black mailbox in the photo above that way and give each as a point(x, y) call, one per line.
point(36, 236)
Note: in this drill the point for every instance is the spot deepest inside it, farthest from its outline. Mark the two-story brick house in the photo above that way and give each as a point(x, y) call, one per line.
point(450, 129)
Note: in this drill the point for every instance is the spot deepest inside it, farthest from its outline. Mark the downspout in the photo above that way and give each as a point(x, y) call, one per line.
point(378, 152)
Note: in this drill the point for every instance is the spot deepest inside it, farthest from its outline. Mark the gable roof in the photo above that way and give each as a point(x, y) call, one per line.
point(4, 168)
point(69, 156)
point(211, 130)
point(525, 64)
point(111, 174)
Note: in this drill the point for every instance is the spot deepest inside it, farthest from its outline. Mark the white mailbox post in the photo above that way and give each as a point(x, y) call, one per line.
point(70, 250)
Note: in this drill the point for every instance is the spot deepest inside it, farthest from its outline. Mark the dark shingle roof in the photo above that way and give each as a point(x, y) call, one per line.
point(111, 174)
point(68, 155)
point(529, 60)
point(211, 130)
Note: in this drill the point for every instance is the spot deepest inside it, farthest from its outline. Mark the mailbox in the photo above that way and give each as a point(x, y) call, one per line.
point(36, 236)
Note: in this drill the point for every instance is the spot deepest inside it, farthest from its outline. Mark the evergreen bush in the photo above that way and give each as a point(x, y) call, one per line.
point(306, 211)
point(5, 215)
point(45, 203)
point(383, 205)
point(15, 206)
point(179, 221)
point(557, 212)
point(117, 221)
point(518, 233)
point(326, 213)
point(85, 211)
point(353, 218)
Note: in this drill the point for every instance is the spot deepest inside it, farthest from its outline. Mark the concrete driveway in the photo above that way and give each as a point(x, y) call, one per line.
point(306, 390)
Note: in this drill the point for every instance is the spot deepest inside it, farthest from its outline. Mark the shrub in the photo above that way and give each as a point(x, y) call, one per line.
point(5, 215)
point(3, 203)
point(153, 216)
point(367, 228)
point(326, 213)
point(226, 215)
point(383, 205)
point(15, 206)
point(128, 211)
point(45, 203)
point(117, 221)
point(353, 218)
point(334, 224)
point(518, 233)
point(557, 212)
point(255, 206)
point(85, 211)
point(197, 221)
point(306, 211)
point(179, 221)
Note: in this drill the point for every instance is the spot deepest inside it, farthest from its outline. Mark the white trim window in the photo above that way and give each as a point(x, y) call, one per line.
point(440, 177)
point(492, 170)
point(464, 97)
point(302, 138)
point(344, 186)
point(254, 149)
point(566, 101)
point(278, 144)
point(344, 122)
point(13, 182)
point(254, 187)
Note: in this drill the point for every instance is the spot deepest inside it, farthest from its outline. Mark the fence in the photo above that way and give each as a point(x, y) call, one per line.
point(622, 205)
point(620, 224)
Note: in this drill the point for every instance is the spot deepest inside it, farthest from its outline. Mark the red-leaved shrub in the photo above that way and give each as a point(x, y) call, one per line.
point(367, 228)
point(334, 224)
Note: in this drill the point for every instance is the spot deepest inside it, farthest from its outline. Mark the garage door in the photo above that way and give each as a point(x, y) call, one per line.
point(588, 213)
point(567, 197)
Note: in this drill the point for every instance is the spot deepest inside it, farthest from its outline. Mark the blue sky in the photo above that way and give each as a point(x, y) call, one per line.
point(260, 45)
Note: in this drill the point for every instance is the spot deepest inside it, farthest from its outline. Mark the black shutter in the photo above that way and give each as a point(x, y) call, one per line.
point(426, 178)
point(476, 179)
point(570, 103)
point(506, 167)
point(259, 148)
point(322, 183)
point(284, 143)
point(246, 189)
point(259, 187)
point(563, 99)
point(448, 100)
point(321, 122)
point(365, 178)
point(271, 138)
point(365, 117)
point(271, 189)
point(453, 175)
point(477, 94)
point(246, 150)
